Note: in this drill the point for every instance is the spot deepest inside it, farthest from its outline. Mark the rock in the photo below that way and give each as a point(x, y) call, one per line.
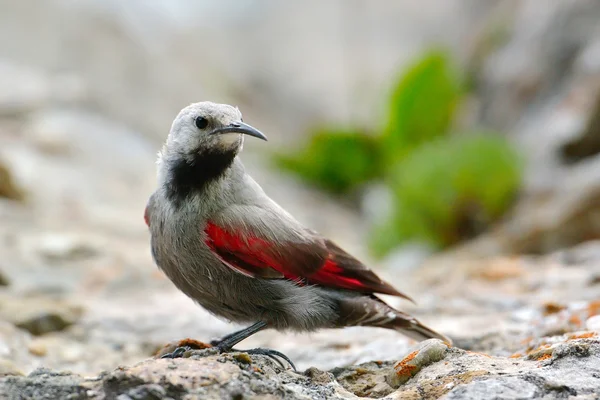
point(569, 371)
point(47, 384)
point(222, 376)
point(8, 368)
point(364, 380)
point(37, 348)
point(427, 352)
point(4, 281)
point(8, 188)
point(587, 143)
point(44, 322)
point(39, 316)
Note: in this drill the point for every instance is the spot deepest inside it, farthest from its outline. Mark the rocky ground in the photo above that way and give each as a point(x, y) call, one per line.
point(79, 293)
point(566, 369)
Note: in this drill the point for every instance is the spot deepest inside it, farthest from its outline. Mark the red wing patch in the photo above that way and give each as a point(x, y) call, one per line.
point(331, 274)
point(319, 263)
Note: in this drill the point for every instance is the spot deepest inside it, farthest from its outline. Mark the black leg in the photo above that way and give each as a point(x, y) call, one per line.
point(227, 342)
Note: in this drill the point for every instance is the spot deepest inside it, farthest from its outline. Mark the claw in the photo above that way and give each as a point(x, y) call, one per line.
point(272, 354)
point(177, 353)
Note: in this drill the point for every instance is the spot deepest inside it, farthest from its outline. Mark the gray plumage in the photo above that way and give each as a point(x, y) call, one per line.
point(202, 185)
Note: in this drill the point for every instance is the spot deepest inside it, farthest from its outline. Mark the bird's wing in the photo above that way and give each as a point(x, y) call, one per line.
point(313, 260)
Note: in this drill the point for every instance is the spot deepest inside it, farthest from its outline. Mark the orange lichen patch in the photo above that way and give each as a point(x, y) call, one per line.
point(170, 347)
point(552, 308)
point(516, 355)
point(593, 308)
point(585, 335)
point(541, 347)
point(544, 357)
point(500, 270)
point(193, 343)
point(542, 352)
point(575, 320)
point(405, 370)
point(532, 349)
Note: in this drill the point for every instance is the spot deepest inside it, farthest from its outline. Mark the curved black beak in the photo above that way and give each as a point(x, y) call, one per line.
point(240, 127)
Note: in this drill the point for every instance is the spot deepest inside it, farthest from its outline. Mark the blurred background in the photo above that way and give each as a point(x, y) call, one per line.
point(451, 144)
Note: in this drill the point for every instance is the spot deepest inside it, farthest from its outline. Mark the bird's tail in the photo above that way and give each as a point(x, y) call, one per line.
point(414, 329)
point(372, 311)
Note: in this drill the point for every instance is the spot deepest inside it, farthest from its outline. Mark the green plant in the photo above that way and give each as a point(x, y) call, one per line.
point(337, 161)
point(444, 187)
point(448, 190)
point(422, 105)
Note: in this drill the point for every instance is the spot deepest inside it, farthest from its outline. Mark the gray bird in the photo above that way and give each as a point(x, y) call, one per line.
point(224, 243)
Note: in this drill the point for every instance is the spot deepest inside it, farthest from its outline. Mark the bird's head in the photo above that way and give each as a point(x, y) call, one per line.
point(208, 127)
point(203, 142)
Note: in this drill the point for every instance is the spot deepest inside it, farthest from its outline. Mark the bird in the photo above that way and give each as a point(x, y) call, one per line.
point(228, 246)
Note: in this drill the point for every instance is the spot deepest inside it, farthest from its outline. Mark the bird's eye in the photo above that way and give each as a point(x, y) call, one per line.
point(201, 122)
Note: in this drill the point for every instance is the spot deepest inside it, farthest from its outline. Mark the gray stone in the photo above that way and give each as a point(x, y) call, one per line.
point(463, 375)
point(39, 316)
point(8, 187)
point(422, 355)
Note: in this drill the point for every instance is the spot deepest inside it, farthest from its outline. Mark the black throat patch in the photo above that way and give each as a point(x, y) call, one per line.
point(190, 176)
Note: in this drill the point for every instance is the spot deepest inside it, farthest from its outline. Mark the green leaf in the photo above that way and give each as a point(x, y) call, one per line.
point(422, 105)
point(337, 161)
point(450, 189)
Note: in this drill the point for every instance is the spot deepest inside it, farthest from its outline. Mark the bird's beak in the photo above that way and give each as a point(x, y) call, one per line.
point(240, 127)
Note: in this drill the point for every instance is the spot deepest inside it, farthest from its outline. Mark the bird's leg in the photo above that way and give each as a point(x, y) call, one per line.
point(226, 344)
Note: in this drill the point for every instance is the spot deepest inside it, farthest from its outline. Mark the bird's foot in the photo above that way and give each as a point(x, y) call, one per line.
point(177, 353)
point(275, 355)
point(179, 348)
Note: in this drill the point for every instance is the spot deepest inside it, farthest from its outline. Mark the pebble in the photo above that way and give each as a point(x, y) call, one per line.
point(39, 315)
point(8, 188)
point(7, 367)
point(4, 281)
point(425, 353)
point(37, 348)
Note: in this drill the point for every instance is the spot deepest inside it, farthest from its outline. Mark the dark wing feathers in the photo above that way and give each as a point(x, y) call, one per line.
point(320, 262)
